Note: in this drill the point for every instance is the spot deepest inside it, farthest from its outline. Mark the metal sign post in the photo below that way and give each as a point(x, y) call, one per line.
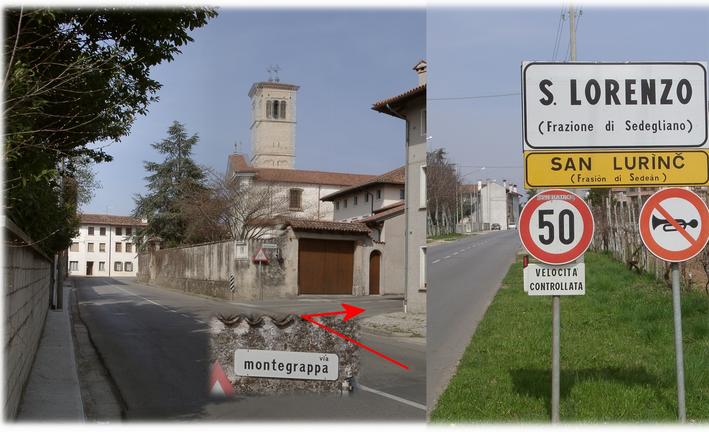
point(555, 354)
point(556, 227)
point(674, 226)
point(679, 355)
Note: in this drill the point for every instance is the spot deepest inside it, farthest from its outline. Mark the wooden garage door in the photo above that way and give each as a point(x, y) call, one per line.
point(325, 266)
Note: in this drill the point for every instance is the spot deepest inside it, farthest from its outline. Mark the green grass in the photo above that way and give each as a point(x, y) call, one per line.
point(617, 354)
point(446, 237)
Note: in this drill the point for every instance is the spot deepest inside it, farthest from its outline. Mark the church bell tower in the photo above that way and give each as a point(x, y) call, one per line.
point(273, 123)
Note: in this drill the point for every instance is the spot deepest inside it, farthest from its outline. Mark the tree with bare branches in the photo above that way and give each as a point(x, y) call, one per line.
point(442, 183)
point(235, 208)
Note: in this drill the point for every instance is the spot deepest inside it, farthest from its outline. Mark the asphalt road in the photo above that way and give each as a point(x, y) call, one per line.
point(463, 278)
point(154, 343)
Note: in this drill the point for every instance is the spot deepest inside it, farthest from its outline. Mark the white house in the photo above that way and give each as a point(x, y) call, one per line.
point(410, 106)
point(379, 204)
point(104, 246)
point(362, 200)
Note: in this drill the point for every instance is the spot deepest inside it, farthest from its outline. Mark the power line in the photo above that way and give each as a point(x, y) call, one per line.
point(475, 97)
point(559, 31)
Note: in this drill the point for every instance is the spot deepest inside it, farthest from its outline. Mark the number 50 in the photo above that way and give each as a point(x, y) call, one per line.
point(566, 226)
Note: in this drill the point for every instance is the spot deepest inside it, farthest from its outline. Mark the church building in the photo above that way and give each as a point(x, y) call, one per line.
point(272, 162)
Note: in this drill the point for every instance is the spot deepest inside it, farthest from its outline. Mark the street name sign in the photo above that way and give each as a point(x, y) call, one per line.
point(242, 250)
point(286, 364)
point(583, 105)
point(616, 169)
point(556, 226)
point(548, 280)
point(674, 224)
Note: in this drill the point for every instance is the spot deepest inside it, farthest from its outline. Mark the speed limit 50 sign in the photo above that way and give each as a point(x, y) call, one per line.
point(556, 226)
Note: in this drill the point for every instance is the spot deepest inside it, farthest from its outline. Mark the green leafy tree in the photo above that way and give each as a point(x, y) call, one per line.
point(170, 183)
point(74, 77)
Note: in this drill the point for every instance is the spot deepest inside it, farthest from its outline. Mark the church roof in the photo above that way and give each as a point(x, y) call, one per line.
point(395, 177)
point(309, 177)
point(238, 164)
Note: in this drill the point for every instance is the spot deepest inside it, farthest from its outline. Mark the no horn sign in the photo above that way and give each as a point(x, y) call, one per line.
point(556, 226)
point(674, 224)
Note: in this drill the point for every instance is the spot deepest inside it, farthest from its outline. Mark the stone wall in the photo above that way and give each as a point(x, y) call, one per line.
point(28, 286)
point(205, 269)
point(288, 333)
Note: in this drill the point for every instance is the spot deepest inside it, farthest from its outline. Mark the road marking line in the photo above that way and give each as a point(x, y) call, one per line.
point(455, 253)
point(446, 257)
point(146, 299)
point(391, 396)
point(438, 260)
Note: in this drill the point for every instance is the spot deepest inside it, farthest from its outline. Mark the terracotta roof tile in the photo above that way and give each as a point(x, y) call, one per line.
point(318, 225)
point(395, 177)
point(310, 177)
point(381, 105)
point(238, 163)
point(389, 207)
point(385, 213)
point(105, 219)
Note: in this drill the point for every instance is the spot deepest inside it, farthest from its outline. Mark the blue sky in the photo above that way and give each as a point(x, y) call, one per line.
point(343, 60)
point(478, 51)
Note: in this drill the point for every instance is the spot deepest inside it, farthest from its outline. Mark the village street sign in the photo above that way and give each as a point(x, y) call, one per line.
point(286, 364)
point(547, 280)
point(556, 226)
point(614, 105)
point(674, 224)
point(616, 169)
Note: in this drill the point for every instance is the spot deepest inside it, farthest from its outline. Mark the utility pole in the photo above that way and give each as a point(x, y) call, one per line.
point(572, 31)
point(556, 301)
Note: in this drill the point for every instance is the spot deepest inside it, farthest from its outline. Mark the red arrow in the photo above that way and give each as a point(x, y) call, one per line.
point(349, 312)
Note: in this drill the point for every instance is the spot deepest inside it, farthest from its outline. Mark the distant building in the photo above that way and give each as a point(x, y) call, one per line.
point(104, 246)
point(410, 106)
point(488, 203)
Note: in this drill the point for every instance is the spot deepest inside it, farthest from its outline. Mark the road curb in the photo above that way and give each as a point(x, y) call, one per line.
point(100, 395)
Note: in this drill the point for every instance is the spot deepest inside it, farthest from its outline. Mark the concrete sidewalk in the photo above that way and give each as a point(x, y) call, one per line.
point(398, 324)
point(52, 392)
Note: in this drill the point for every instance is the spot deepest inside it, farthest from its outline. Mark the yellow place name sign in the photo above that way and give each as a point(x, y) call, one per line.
point(615, 169)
